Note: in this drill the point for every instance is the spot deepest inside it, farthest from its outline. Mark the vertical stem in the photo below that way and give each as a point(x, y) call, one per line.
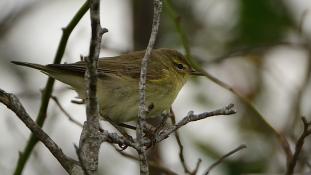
point(89, 144)
point(24, 156)
point(144, 170)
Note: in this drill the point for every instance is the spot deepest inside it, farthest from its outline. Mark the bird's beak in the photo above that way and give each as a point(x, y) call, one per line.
point(196, 73)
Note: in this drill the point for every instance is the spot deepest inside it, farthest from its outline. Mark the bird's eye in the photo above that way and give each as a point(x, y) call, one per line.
point(180, 66)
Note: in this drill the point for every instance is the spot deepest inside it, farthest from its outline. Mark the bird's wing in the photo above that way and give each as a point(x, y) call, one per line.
point(119, 66)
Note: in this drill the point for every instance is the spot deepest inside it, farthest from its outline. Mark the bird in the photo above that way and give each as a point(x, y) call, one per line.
point(118, 81)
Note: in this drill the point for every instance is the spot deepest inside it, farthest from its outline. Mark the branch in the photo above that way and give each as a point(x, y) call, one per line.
point(166, 132)
point(176, 20)
point(12, 102)
point(227, 110)
point(70, 118)
point(151, 163)
point(144, 170)
point(90, 136)
point(48, 88)
point(181, 148)
point(300, 93)
point(298, 147)
point(223, 158)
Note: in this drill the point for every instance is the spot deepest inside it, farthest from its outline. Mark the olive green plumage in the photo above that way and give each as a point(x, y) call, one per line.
point(118, 79)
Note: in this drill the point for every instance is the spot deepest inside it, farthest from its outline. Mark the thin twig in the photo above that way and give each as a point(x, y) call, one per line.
point(23, 158)
point(12, 102)
point(151, 163)
point(227, 110)
point(181, 147)
point(298, 147)
point(144, 170)
point(176, 19)
point(194, 172)
point(298, 99)
point(223, 158)
point(70, 118)
point(90, 136)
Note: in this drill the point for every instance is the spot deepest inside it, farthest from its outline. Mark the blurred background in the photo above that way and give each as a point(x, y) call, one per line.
point(260, 48)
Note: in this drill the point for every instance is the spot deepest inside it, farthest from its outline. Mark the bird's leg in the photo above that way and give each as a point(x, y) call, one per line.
point(121, 130)
point(156, 130)
point(162, 124)
point(152, 131)
point(150, 107)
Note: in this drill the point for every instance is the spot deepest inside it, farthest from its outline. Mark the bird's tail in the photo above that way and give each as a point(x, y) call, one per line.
point(59, 72)
point(31, 65)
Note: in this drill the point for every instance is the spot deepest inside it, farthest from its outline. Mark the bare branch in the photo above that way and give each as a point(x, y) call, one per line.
point(194, 172)
point(144, 170)
point(12, 102)
point(151, 163)
point(70, 118)
point(223, 158)
point(227, 110)
point(49, 88)
point(298, 147)
point(90, 137)
point(181, 147)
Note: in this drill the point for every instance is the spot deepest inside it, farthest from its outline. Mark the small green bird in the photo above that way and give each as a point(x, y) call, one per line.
point(118, 79)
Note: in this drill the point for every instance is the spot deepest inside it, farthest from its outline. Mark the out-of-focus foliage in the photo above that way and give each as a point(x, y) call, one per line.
point(261, 22)
point(259, 27)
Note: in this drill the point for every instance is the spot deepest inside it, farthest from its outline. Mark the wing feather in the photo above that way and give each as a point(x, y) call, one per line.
point(123, 65)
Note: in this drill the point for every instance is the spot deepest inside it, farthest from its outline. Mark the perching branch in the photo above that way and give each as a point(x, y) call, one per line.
point(12, 102)
point(221, 159)
point(114, 138)
point(144, 170)
point(298, 147)
point(24, 156)
point(90, 136)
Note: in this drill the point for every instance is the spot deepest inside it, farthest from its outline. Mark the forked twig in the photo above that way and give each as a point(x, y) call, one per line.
point(299, 144)
point(181, 149)
point(227, 110)
point(221, 159)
